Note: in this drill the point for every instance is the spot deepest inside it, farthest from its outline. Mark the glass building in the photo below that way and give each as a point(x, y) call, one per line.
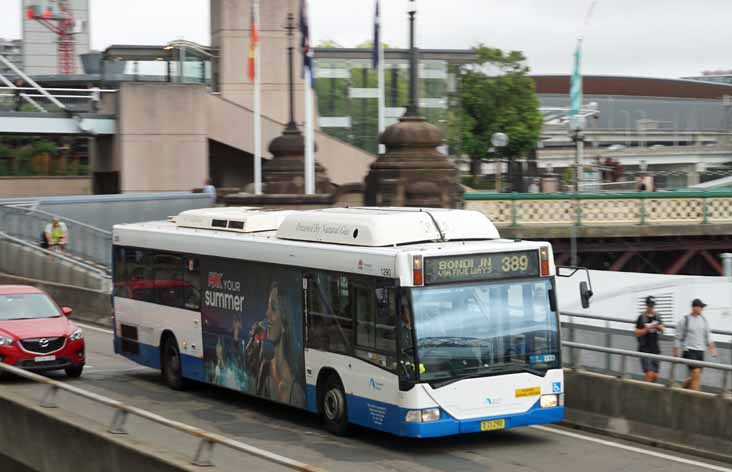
point(347, 90)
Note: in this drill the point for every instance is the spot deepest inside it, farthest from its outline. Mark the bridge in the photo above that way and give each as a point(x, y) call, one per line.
point(658, 232)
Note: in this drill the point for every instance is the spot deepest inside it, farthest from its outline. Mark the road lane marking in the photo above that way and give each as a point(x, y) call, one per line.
point(634, 449)
point(94, 328)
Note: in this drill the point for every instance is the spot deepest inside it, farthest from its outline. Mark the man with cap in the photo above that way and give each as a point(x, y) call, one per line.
point(647, 329)
point(694, 336)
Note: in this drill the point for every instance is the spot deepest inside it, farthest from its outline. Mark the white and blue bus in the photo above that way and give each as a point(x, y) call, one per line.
point(417, 322)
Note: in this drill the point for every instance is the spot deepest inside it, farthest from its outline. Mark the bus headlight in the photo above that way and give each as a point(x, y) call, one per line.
point(422, 416)
point(431, 414)
point(5, 341)
point(549, 401)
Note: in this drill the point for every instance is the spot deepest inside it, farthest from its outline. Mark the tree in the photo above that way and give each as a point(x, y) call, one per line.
point(329, 44)
point(505, 102)
point(369, 44)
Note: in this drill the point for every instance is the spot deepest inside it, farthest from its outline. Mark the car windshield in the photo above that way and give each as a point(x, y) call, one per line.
point(26, 306)
point(481, 329)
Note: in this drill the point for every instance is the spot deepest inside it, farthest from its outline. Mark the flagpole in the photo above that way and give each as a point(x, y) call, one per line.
point(309, 138)
point(257, 110)
point(382, 87)
point(309, 125)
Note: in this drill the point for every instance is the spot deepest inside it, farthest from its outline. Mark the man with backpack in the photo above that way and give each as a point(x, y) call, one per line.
point(694, 336)
point(647, 329)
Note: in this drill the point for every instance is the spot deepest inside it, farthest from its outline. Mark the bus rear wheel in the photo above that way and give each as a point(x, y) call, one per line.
point(171, 364)
point(333, 406)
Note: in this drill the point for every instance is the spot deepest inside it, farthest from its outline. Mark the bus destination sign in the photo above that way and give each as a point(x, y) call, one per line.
point(471, 267)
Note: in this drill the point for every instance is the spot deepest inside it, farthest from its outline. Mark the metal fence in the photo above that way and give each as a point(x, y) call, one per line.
point(607, 334)
point(27, 260)
point(722, 370)
point(92, 245)
point(204, 454)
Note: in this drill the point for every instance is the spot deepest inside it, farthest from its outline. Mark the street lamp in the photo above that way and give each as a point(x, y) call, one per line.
point(412, 107)
point(499, 141)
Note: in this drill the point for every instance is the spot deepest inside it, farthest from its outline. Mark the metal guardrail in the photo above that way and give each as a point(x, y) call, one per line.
point(599, 333)
point(204, 453)
point(674, 361)
point(84, 241)
point(623, 320)
point(61, 270)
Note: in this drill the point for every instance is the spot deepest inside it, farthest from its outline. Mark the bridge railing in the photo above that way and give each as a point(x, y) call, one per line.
point(603, 209)
point(618, 333)
point(84, 241)
point(204, 454)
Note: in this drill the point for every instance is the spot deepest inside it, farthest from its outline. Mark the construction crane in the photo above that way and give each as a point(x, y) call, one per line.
point(60, 21)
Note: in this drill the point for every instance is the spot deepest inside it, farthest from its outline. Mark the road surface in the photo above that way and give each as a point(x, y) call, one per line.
point(298, 434)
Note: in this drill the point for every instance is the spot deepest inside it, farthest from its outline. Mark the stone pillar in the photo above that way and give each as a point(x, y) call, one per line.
point(230, 27)
point(412, 172)
point(285, 172)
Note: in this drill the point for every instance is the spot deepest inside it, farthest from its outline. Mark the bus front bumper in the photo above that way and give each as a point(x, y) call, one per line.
point(447, 425)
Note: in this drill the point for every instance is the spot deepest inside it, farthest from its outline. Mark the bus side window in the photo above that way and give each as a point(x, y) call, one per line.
point(375, 311)
point(192, 284)
point(168, 273)
point(330, 326)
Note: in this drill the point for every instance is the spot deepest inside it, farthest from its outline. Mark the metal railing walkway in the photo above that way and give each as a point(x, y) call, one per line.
point(204, 454)
point(602, 341)
point(87, 244)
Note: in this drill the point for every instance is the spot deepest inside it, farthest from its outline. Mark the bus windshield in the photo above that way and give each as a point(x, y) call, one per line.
point(485, 328)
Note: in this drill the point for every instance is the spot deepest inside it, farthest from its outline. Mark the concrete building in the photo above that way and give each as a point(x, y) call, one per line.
point(40, 55)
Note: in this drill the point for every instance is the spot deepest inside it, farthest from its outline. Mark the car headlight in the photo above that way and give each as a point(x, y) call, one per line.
point(5, 341)
point(76, 335)
point(422, 416)
point(549, 401)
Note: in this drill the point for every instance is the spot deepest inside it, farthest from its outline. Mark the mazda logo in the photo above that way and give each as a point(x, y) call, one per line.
point(43, 342)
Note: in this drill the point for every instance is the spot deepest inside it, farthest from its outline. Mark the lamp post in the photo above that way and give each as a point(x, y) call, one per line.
point(291, 125)
point(413, 106)
point(499, 141)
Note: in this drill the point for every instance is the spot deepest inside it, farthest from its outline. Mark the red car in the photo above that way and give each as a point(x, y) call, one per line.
point(35, 334)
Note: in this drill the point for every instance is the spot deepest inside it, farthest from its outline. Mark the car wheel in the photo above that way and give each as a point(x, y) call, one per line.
point(74, 371)
point(334, 408)
point(171, 365)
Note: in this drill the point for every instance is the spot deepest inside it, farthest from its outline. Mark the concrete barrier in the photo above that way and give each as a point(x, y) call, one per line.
point(690, 422)
point(63, 442)
point(89, 305)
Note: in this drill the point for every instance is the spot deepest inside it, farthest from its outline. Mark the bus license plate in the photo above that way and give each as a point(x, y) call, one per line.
point(45, 358)
point(492, 425)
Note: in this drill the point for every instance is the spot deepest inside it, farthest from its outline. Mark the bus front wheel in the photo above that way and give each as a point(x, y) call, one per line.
point(334, 408)
point(171, 364)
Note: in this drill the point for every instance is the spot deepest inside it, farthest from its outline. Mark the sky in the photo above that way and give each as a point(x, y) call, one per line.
point(663, 38)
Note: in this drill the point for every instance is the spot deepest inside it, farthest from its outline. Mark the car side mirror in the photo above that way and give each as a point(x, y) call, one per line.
point(585, 294)
point(67, 311)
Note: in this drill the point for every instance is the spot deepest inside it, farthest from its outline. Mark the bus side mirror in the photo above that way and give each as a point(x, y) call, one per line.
point(585, 294)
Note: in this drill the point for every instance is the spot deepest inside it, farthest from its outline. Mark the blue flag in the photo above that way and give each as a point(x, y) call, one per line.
point(307, 50)
point(377, 35)
point(575, 88)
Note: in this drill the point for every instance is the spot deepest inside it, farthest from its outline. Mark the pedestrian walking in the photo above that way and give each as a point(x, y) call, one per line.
point(648, 328)
point(693, 338)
